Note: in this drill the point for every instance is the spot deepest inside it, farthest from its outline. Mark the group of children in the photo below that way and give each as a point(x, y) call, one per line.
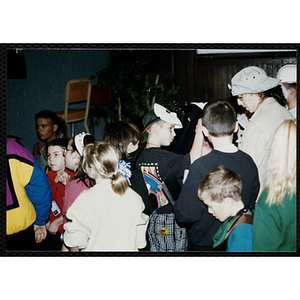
point(109, 196)
point(113, 195)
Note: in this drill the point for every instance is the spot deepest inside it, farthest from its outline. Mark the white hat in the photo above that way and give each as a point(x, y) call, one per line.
point(252, 80)
point(167, 116)
point(79, 142)
point(159, 113)
point(288, 74)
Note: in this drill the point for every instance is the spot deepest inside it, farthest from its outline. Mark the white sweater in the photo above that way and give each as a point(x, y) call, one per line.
point(102, 220)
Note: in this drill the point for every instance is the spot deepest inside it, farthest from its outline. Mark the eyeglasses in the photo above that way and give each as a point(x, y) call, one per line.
point(240, 97)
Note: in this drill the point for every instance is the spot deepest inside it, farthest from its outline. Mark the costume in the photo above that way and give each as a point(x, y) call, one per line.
point(57, 192)
point(274, 227)
point(28, 196)
point(102, 220)
point(72, 189)
point(258, 134)
point(164, 232)
point(201, 225)
point(239, 239)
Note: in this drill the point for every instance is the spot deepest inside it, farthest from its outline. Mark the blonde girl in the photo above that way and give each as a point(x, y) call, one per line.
point(108, 216)
point(275, 214)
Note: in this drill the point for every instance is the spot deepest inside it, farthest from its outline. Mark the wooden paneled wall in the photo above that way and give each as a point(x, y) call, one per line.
point(213, 73)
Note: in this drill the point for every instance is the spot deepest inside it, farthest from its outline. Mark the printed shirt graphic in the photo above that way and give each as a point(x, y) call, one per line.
point(153, 182)
point(155, 163)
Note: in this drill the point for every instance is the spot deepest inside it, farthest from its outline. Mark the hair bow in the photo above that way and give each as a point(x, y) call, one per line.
point(124, 169)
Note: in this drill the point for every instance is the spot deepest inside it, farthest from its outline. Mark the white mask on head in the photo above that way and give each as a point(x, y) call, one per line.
point(285, 91)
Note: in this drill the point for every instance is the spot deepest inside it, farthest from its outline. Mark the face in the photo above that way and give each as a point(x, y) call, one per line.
point(219, 210)
point(56, 160)
point(91, 173)
point(72, 158)
point(249, 101)
point(166, 133)
point(45, 129)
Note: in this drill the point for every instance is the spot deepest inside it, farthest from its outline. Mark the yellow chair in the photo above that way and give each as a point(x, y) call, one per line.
point(77, 91)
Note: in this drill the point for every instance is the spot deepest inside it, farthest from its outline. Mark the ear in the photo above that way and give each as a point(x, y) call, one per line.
point(292, 91)
point(205, 131)
point(228, 201)
point(236, 127)
point(55, 127)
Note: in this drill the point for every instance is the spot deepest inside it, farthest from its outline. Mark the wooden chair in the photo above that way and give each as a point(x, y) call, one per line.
point(77, 91)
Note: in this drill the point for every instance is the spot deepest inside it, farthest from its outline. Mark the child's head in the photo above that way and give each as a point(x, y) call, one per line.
point(101, 160)
point(161, 122)
point(221, 190)
point(75, 148)
point(56, 154)
point(125, 136)
point(219, 118)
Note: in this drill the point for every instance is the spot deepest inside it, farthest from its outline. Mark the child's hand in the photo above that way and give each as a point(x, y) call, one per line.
point(53, 227)
point(62, 177)
point(40, 233)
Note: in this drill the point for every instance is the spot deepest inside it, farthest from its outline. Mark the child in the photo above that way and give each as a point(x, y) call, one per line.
point(274, 227)
point(218, 125)
point(79, 182)
point(57, 177)
point(108, 216)
point(154, 162)
point(221, 190)
point(125, 136)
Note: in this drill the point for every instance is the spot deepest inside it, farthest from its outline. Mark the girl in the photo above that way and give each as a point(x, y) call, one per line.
point(108, 216)
point(274, 227)
point(79, 182)
point(125, 136)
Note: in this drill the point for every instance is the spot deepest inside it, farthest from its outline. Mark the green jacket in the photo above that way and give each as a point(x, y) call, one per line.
point(274, 227)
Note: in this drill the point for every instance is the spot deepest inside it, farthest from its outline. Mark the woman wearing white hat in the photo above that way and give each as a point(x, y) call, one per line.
point(288, 81)
point(253, 89)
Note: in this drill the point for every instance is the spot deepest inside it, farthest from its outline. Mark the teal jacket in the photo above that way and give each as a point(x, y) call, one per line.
point(240, 238)
point(274, 227)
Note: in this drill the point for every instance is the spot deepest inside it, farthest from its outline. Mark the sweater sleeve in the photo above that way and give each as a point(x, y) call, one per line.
point(188, 208)
point(39, 193)
point(78, 230)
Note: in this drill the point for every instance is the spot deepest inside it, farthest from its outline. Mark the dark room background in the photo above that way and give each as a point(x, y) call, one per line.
point(40, 78)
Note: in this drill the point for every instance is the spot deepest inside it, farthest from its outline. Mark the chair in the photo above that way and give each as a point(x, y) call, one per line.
point(77, 91)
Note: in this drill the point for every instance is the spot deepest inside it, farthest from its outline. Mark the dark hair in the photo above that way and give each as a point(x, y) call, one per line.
point(63, 143)
point(80, 174)
point(219, 117)
point(120, 134)
point(275, 93)
point(55, 120)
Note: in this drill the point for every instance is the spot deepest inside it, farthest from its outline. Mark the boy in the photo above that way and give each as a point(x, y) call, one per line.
point(154, 162)
point(57, 177)
point(220, 190)
point(48, 127)
point(218, 125)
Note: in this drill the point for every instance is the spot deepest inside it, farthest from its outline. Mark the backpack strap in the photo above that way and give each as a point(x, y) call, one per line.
point(245, 218)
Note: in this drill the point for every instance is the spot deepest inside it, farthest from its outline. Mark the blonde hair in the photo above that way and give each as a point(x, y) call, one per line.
point(219, 184)
point(281, 178)
point(103, 158)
